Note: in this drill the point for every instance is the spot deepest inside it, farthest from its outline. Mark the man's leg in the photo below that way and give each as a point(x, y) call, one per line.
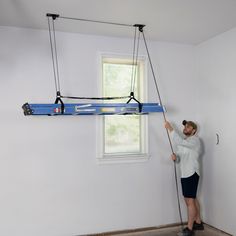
point(192, 211)
point(198, 217)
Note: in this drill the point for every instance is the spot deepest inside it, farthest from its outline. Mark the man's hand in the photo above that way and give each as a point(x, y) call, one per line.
point(173, 157)
point(168, 126)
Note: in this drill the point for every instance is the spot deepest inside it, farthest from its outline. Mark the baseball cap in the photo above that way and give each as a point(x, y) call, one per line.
point(191, 123)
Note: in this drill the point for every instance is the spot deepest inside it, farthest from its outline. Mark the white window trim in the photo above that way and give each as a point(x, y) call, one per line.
point(126, 157)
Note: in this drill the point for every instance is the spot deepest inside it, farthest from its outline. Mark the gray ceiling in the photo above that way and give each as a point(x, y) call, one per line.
point(182, 21)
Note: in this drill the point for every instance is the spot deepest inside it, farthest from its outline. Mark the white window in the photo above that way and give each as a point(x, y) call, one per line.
point(123, 138)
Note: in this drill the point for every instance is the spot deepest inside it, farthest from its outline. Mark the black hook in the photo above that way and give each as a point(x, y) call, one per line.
point(58, 99)
point(217, 139)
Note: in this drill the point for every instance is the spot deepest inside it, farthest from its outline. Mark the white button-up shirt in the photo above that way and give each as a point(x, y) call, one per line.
point(188, 150)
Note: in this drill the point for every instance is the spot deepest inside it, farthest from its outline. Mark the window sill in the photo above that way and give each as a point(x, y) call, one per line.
point(123, 158)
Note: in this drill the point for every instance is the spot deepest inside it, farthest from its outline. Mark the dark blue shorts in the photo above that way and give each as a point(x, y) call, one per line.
point(189, 186)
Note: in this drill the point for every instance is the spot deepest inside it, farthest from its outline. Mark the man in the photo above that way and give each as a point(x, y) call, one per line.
point(188, 149)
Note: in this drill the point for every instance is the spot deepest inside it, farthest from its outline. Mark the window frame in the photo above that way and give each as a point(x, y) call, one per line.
point(142, 156)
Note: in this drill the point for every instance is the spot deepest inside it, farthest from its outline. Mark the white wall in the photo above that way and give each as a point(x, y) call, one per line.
point(50, 182)
point(216, 60)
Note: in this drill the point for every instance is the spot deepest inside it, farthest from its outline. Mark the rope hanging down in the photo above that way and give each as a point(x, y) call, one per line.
point(168, 135)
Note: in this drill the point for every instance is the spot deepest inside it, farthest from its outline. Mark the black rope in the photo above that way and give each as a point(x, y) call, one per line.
point(55, 48)
point(95, 98)
point(95, 21)
point(134, 51)
point(53, 60)
point(168, 135)
point(136, 62)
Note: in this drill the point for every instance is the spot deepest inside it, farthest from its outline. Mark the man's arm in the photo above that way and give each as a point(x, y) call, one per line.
point(168, 126)
point(177, 139)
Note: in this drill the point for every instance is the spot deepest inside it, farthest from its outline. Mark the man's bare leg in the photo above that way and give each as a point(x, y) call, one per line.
point(198, 217)
point(192, 211)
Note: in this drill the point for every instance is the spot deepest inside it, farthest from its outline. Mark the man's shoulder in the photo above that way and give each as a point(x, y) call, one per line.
point(195, 138)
